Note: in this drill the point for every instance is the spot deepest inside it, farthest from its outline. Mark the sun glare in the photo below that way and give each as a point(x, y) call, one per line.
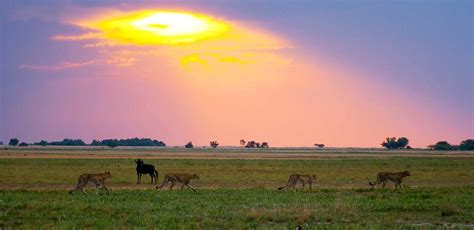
point(158, 27)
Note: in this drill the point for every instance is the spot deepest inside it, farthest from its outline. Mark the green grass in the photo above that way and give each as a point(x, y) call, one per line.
point(239, 194)
point(336, 173)
point(238, 208)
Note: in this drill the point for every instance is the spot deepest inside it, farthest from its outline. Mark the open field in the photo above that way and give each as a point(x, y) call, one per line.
point(219, 153)
point(234, 192)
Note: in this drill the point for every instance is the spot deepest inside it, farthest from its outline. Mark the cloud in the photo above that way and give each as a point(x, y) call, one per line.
point(86, 36)
point(58, 67)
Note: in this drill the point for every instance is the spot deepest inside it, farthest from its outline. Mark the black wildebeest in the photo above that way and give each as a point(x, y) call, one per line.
point(146, 169)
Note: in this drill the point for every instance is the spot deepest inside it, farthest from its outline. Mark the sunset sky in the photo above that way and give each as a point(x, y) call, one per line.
point(289, 72)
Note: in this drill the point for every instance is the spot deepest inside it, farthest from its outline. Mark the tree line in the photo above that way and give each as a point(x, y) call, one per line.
point(106, 142)
point(389, 143)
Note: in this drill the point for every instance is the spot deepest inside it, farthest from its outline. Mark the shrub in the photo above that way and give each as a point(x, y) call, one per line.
point(441, 145)
point(13, 142)
point(189, 145)
point(467, 144)
point(214, 144)
point(394, 143)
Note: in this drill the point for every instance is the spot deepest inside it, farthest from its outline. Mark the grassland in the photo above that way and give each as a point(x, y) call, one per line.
point(238, 193)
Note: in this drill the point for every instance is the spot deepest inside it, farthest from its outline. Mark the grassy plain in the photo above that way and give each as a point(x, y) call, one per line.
point(239, 193)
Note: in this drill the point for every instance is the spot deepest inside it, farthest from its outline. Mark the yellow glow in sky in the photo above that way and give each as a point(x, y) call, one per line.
point(158, 27)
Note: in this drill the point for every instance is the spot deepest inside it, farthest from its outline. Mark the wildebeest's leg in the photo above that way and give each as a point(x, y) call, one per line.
point(310, 184)
point(152, 175)
point(156, 176)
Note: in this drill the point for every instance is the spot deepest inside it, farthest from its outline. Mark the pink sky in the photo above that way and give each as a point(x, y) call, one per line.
point(251, 83)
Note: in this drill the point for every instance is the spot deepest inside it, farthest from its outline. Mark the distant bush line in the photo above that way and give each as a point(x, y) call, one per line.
point(107, 142)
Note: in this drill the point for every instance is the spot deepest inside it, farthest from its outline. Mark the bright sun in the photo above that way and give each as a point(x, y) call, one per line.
point(158, 27)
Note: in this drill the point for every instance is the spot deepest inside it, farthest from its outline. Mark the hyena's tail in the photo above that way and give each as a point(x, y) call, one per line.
point(165, 181)
point(372, 183)
point(280, 188)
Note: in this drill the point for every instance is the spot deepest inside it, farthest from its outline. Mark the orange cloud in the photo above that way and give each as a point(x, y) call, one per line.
point(187, 38)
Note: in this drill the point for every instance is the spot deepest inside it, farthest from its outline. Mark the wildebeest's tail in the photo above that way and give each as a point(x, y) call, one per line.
point(156, 174)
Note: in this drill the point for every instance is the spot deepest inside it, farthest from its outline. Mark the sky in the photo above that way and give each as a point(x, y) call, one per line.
point(289, 72)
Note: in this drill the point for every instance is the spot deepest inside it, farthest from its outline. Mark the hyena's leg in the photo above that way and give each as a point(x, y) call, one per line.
point(383, 184)
point(172, 185)
point(97, 187)
point(191, 187)
point(400, 184)
point(106, 189)
point(310, 186)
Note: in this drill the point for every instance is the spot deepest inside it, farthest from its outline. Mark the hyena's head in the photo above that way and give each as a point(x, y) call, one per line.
point(195, 176)
point(108, 175)
point(406, 173)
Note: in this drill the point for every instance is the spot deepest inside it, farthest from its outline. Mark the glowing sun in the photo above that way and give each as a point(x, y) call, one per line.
point(158, 27)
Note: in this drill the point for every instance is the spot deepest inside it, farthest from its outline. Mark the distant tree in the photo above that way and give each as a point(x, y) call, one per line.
point(214, 144)
point(319, 145)
point(467, 144)
point(402, 142)
point(441, 145)
point(242, 142)
point(69, 142)
point(23, 144)
point(264, 145)
point(112, 144)
point(394, 143)
point(189, 145)
point(95, 143)
point(13, 142)
point(128, 142)
point(42, 143)
point(251, 144)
